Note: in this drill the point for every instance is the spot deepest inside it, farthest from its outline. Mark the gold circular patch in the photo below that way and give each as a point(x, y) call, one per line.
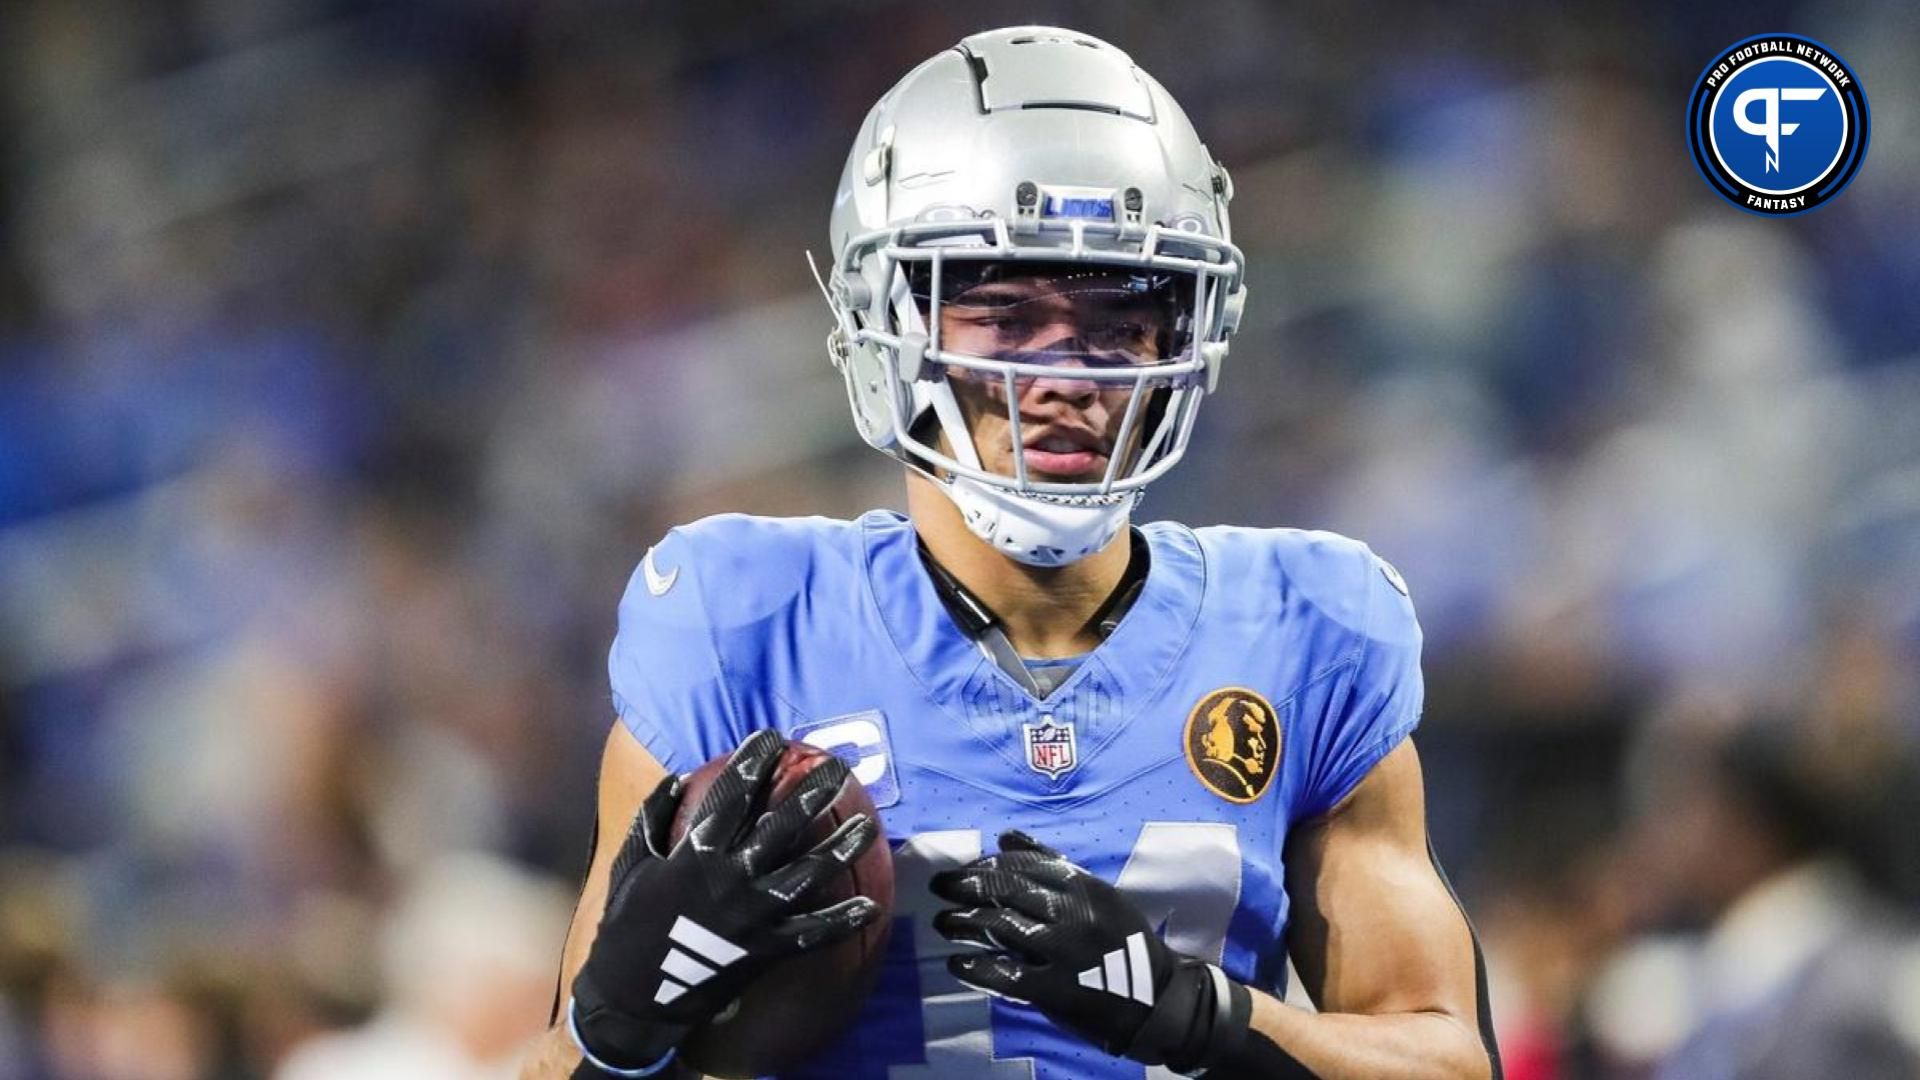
point(1233, 743)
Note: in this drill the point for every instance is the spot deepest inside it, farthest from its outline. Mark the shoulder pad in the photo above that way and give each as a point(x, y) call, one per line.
point(1338, 576)
point(743, 566)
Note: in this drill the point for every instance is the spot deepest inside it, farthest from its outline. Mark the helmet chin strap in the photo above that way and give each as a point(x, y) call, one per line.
point(1034, 529)
point(1036, 532)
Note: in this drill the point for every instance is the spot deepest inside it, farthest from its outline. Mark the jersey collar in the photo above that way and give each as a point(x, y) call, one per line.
point(1137, 658)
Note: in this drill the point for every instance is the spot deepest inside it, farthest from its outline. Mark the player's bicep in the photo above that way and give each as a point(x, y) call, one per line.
point(628, 773)
point(1374, 928)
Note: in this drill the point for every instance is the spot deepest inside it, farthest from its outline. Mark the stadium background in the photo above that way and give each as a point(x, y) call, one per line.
point(352, 353)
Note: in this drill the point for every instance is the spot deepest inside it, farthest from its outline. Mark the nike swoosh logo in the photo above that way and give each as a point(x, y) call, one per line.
point(658, 584)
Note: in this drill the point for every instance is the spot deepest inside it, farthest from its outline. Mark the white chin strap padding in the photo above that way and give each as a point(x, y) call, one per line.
point(1034, 532)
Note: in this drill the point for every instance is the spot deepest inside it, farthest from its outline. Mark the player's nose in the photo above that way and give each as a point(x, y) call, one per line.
point(1067, 352)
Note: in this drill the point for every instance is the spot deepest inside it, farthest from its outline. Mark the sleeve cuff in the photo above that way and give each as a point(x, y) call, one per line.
point(573, 1032)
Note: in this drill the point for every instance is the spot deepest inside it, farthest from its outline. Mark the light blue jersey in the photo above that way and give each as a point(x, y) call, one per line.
point(1257, 678)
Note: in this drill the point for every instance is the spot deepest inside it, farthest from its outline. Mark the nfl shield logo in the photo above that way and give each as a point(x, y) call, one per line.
point(1050, 747)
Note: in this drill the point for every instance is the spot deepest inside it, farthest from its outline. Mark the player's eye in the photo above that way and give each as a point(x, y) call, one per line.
point(1001, 324)
point(1127, 337)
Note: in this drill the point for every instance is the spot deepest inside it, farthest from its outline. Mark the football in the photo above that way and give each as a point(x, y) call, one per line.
point(801, 1004)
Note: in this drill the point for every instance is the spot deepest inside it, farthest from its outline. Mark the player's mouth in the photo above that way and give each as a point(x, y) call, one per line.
point(1065, 452)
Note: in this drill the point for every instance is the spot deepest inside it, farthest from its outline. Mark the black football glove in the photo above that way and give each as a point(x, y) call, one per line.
point(1059, 938)
point(688, 926)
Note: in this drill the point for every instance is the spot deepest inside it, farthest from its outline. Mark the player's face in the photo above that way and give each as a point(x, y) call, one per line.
point(1079, 319)
point(1256, 743)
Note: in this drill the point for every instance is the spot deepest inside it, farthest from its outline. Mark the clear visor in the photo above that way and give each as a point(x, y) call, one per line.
point(1069, 314)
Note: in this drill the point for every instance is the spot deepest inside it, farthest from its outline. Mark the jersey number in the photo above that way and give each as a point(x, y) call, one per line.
point(1183, 876)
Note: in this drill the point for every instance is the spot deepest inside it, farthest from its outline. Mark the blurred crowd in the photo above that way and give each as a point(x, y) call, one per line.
point(351, 353)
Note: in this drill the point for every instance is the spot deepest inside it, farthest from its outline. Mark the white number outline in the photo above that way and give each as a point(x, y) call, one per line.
point(1185, 877)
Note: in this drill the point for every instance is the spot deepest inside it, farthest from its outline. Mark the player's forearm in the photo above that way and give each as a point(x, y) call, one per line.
point(1350, 1046)
point(552, 1057)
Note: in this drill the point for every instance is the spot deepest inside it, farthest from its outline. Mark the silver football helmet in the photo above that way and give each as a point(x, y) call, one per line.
point(1046, 153)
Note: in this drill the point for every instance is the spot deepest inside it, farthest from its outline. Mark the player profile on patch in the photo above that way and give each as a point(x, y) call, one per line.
point(1051, 749)
point(1778, 124)
point(1233, 743)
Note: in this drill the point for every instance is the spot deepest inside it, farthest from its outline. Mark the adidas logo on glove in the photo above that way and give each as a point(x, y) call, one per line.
point(688, 969)
point(1124, 972)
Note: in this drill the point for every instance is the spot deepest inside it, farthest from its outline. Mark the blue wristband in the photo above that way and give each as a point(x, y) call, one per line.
point(573, 1031)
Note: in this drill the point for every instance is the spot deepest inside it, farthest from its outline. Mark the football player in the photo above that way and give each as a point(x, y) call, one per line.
point(1126, 768)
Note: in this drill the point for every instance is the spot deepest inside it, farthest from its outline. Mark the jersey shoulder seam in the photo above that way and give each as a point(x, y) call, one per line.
point(1357, 654)
point(735, 712)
